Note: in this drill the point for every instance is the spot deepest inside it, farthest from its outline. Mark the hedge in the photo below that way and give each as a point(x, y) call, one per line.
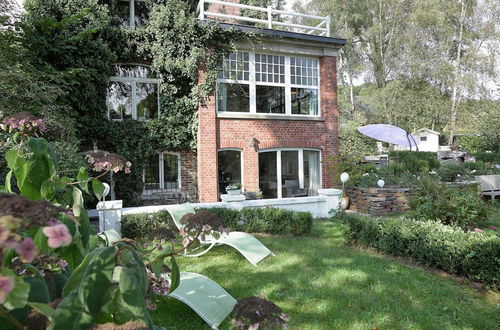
point(416, 162)
point(430, 243)
point(138, 226)
point(488, 157)
point(268, 220)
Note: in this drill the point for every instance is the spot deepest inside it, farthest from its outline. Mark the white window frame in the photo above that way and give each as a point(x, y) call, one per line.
point(133, 82)
point(288, 87)
point(241, 164)
point(161, 175)
point(301, 166)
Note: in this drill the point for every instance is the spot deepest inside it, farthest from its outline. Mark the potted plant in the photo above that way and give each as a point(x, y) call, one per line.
point(234, 189)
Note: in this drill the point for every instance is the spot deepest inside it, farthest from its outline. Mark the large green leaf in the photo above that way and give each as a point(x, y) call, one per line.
point(132, 295)
point(43, 309)
point(175, 276)
point(98, 188)
point(70, 314)
point(48, 190)
point(83, 179)
point(18, 297)
point(11, 158)
point(8, 179)
point(39, 292)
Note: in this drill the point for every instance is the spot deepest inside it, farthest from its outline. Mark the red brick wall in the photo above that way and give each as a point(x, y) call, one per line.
point(218, 133)
point(188, 170)
point(228, 10)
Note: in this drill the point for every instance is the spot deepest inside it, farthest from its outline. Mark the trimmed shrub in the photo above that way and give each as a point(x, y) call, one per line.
point(266, 220)
point(488, 157)
point(430, 243)
point(457, 205)
point(138, 226)
point(416, 162)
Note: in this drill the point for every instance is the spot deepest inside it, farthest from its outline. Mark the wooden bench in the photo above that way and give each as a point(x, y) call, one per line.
point(490, 184)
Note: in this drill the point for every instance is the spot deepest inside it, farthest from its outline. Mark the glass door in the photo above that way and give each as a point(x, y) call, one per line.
point(268, 175)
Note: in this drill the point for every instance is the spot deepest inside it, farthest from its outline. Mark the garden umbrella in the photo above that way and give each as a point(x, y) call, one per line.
point(389, 133)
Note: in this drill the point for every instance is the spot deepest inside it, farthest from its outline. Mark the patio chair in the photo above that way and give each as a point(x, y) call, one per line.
point(250, 247)
point(207, 298)
point(293, 190)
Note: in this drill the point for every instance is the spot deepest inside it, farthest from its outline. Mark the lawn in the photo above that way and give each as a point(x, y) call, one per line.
point(323, 284)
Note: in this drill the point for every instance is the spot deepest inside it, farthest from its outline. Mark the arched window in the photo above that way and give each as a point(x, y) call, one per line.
point(229, 168)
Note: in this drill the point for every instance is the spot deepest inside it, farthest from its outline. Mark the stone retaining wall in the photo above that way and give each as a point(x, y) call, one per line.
point(379, 201)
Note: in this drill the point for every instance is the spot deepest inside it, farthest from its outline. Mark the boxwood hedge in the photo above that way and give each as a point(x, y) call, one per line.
point(430, 243)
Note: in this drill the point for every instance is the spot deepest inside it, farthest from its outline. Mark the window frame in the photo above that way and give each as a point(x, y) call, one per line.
point(133, 82)
point(300, 165)
point(287, 84)
point(161, 174)
point(242, 171)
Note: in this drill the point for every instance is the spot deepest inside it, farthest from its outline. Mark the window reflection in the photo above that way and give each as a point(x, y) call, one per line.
point(119, 100)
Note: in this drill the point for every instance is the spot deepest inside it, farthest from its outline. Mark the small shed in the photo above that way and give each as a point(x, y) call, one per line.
point(428, 140)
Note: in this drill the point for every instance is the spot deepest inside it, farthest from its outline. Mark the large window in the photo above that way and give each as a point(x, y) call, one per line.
point(289, 173)
point(132, 93)
point(272, 84)
point(162, 172)
point(229, 166)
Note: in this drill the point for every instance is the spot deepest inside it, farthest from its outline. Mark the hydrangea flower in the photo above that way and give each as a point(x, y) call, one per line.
point(477, 230)
point(6, 286)
point(58, 235)
point(27, 250)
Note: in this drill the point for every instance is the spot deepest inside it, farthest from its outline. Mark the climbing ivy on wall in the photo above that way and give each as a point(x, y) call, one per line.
point(80, 41)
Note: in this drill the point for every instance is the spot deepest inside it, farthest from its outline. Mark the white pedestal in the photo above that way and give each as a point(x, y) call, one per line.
point(110, 215)
point(234, 201)
point(332, 197)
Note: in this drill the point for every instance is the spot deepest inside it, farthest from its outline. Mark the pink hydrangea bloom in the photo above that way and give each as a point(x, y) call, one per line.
point(6, 286)
point(58, 235)
point(477, 230)
point(27, 250)
point(493, 228)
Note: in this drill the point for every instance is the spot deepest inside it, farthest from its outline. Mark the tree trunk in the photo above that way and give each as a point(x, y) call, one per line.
point(454, 105)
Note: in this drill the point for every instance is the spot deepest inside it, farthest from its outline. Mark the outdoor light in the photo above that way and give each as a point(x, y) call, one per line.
point(381, 183)
point(344, 177)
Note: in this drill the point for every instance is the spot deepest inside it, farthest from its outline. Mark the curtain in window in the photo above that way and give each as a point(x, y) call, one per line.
point(313, 159)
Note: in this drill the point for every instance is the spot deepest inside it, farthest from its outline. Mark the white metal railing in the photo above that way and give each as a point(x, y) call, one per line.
point(322, 28)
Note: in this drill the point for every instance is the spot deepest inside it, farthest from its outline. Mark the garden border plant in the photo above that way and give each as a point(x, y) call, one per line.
point(430, 243)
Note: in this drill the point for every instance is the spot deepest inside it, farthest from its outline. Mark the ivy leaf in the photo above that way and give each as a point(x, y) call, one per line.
point(98, 188)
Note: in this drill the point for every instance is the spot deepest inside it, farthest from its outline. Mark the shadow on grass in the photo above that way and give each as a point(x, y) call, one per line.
point(323, 284)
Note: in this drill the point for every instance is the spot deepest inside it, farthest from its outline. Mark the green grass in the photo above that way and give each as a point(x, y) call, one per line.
point(323, 284)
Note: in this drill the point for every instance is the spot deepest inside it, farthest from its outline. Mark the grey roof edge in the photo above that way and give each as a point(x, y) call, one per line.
point(339, 42)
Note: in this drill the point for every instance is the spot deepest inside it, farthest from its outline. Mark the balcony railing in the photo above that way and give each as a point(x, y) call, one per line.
point(280, 19)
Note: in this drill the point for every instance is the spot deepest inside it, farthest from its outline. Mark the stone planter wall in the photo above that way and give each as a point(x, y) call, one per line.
point(379, 201)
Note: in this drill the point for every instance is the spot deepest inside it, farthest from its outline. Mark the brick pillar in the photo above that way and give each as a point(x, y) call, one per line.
point(207, 147)
point(250, 168)
point(329, 111)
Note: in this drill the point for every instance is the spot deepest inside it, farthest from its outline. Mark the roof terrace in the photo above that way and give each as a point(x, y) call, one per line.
point(263, 17)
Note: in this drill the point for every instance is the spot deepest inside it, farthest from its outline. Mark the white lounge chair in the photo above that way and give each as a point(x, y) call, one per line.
point(250, 247)
point(207, 298)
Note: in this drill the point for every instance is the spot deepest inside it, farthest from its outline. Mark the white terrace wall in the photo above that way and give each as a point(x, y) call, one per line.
point(319, 206)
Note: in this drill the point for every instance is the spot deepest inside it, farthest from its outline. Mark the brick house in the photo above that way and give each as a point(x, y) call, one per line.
point(272, 123)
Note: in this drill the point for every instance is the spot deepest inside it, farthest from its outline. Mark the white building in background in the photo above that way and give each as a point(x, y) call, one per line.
point(427, 140)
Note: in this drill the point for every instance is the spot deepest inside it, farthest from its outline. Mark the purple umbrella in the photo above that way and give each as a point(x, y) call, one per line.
point(389, 133)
